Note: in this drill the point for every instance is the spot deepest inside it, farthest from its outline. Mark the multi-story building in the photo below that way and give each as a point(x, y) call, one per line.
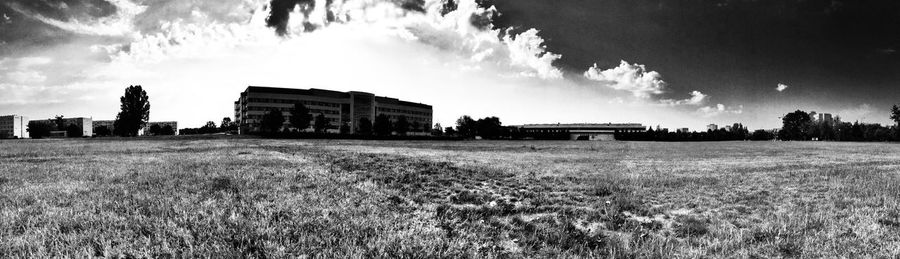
point(684, 130)
point(161, 124)
point(86, 125)
point(13, 126)
point(826, 118)
point(342, 109)
point(712, 127)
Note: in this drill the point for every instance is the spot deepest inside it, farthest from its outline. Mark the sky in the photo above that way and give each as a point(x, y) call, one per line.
point(674, 63)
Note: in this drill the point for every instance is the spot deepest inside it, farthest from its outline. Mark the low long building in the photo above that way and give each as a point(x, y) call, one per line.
point(578, 131)
point(13, 126)
point(85, 125)
point(110, 125)
point(347, 110)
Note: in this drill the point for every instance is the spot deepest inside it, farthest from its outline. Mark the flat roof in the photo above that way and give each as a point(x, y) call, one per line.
point(582, 126)
point(329, 93)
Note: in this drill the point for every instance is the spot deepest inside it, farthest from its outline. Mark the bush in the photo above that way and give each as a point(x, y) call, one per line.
point(37, 129)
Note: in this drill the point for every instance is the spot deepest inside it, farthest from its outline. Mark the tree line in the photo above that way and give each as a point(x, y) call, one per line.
point(132, 117)
point(737, 132)
point(800, 126)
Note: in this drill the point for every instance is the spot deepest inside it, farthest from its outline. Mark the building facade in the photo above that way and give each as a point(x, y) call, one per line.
point(342, 109)
point(162, 124)
point(582, 131)
point(86, 125)
point(13, 126)
point(712, 127)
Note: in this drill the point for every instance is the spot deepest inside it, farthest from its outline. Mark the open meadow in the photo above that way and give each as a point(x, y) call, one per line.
point(233, 197)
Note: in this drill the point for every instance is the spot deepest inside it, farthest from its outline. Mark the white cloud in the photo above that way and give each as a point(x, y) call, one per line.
point(781, 87)
point(860, 113)
point(697, 98)
point(120, 24)
point(25, 77)
point(5, 19)
point(627, 77)
point(719, 109)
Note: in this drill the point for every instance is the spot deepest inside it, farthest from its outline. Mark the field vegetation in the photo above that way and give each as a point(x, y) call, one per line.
point(246, 197)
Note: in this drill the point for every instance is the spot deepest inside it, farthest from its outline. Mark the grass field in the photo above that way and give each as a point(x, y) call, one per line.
point(232, 197)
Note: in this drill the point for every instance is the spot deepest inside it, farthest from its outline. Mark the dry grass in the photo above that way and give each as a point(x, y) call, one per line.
point(232, 197)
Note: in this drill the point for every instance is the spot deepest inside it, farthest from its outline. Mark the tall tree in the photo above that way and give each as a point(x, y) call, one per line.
point(382, 125)
point(135, 112)
point(321, 123)
point(795, 126)
point(401, 126)
point(272, 121)
point(300, 116)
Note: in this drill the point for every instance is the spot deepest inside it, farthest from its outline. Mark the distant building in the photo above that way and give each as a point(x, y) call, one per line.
point(728, 128)
point(84, 124)
point(684, 130)
point(341, 109)
point(13, 126)
point(712, 127)
point(161, 124)
point(585, 131)
point(826, 118)
point(109, 124)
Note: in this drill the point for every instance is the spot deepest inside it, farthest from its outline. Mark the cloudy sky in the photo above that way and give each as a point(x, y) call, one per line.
point(675, 63)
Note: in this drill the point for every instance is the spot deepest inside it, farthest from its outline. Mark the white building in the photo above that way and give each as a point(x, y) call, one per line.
point(13, 126)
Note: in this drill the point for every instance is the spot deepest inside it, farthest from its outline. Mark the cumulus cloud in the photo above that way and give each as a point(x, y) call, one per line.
point(119, 24)
point(719, 109)
point(629, 77)
point(781, 87)
point(697, 98)
point(26, 77)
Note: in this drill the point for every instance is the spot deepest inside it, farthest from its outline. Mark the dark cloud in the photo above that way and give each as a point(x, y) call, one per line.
point(726, 48)
point(280, 13)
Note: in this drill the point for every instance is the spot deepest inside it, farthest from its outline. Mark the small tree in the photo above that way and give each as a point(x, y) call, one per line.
point(401, 126)
point(39, 129)
point(321, 123)
point(449, 131)
point(60, 122)
point(155, 129)
point(465, 126)
point(167, 130)
point(134, 113)
point(345, 128)
point(73, 131)
point(102, 131)
point(226, 124)
point(365, 126)
point(272, 121)
point(300, 116)
point(382, 126)
point(437, 130)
